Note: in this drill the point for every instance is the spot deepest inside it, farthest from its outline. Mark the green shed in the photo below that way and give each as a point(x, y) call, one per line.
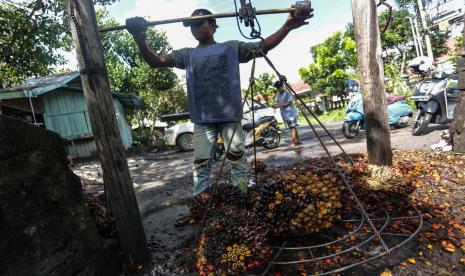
point(57, 103)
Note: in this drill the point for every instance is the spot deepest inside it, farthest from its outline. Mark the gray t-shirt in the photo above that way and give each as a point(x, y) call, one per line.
point(213, 80)
point(245, 51)
point(290, 112)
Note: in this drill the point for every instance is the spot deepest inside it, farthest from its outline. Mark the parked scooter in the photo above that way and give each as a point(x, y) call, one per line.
point(266, 132)
point(435, 97)
point(399, 113)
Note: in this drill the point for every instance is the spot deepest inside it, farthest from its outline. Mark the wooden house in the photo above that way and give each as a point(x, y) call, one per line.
point(57, 103)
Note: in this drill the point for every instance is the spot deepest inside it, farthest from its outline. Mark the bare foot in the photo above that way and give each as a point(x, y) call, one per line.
point(295, 144)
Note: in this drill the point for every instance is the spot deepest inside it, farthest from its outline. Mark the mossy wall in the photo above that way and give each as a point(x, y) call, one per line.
point(44, 226)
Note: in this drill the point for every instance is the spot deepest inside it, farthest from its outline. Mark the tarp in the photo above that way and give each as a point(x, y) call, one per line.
point(130, 101)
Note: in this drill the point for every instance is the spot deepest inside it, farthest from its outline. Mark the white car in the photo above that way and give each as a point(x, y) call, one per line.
point(182, 135)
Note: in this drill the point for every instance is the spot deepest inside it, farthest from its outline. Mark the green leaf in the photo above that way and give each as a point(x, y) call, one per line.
point(242, 185)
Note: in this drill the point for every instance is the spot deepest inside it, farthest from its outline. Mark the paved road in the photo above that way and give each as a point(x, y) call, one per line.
point(155, 169)
point(401, 139)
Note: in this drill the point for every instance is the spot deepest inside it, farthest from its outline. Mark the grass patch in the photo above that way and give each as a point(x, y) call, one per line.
point(336, 115)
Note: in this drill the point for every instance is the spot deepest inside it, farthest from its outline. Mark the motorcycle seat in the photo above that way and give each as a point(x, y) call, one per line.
point(394, 99)
point(258, 122)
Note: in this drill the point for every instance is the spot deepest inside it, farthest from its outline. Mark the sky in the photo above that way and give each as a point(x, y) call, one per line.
point(292, 54)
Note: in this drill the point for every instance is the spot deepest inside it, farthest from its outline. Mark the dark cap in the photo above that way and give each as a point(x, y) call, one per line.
point(278, 84)
point(198, 12)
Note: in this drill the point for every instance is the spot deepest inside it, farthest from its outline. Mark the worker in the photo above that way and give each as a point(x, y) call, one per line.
point(284, 101)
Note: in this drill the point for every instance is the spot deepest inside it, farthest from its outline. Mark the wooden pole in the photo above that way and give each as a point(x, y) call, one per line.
point(457, 126)
point(200, 17)
point(118, 182)
point(371, 70)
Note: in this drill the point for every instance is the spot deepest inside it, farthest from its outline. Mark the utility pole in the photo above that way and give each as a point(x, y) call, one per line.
point(421, 10)
point(457, 126)
point(414, 35)
point(118, 182)
point(420, 41)
point(371, 69)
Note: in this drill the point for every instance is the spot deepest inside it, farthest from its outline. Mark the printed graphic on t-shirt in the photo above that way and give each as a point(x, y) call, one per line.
point(211, 79)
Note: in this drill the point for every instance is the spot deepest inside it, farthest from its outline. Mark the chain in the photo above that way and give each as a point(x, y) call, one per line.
point(88, 67)
point(72, 7)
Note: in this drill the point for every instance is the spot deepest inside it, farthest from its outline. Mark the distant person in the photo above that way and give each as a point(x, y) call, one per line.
point(285, 102)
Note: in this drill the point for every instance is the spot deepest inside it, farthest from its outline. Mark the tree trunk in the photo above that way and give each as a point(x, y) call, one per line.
point(371, 70)
point(457, 125)
point(102, 116)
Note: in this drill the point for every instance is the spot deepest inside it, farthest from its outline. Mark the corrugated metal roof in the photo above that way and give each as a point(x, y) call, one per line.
point(37, 86)
point(300, 87)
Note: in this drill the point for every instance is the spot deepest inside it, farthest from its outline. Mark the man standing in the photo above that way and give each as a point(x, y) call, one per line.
point(213, 87)
point(284, 101)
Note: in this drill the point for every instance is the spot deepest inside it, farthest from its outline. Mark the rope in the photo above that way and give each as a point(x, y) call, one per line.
point(217, 180)
point(254, 34)
point(388, 21)
point(333, 161)
point(251, 84)
point(303, 105)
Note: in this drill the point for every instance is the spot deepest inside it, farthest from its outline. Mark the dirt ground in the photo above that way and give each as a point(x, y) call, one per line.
point(163, 181)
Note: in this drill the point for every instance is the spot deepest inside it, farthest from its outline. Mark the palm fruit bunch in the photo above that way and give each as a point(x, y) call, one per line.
point(98, 210)
point(238, 226)
point(300, 201)
point(223, 195)
point(275, 204)
point(234, 239)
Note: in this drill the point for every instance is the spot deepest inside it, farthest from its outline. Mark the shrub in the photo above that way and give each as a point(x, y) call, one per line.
point(148, 140)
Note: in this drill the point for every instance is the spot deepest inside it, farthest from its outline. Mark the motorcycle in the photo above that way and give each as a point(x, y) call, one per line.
point(435, 100)
point(266, 132)
point(399, 114)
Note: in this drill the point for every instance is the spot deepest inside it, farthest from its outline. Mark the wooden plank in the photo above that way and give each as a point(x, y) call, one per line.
point(117, 178)
point(11, 95)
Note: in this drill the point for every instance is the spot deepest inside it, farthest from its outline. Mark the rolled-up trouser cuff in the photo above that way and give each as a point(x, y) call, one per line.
point(238, 168)
point(201, 176)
